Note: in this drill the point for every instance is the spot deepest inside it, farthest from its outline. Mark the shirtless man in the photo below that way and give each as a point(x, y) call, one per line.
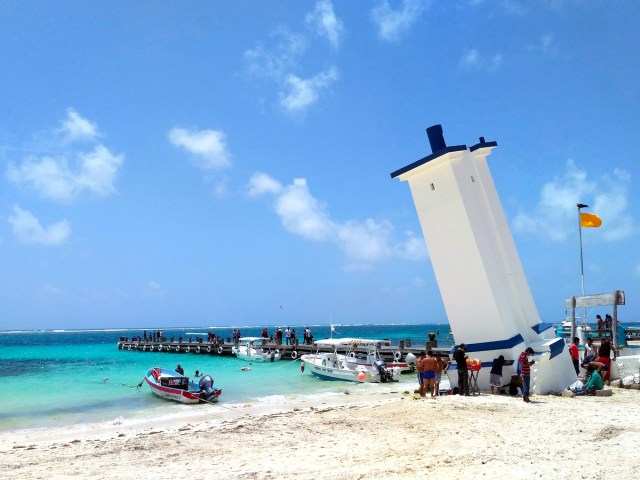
point(429, 369)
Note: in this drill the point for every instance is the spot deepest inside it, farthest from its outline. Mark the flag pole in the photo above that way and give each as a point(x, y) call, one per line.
point(580, 206)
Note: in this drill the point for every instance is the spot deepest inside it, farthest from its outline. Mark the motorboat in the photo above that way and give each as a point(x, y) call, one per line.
point(584, 331)
point(252, 349)
point(351, 359)
point(171, 385)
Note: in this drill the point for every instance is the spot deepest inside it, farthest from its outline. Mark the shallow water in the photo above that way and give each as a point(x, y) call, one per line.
point(57, 378)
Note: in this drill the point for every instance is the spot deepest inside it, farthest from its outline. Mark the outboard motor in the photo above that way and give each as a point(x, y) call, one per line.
point(207, 391)
point(385, 375)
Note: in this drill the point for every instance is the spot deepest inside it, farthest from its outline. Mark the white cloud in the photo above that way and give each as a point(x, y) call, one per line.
point(76, 128)
point(93, 172)
point(364, 243)
point(153, 290)
point(261, 183)
point(69, 173)
point(325, 23)
point(28, 229)
point(418, 282)
point(555, 216)
point(48, 289)
point(545, 45)
point(392, 23)
point(274, 62)
point(208, 147)
point(302, 214)
point(301, 93)
point(279, 62)
point(516, 7)
point(472, 59)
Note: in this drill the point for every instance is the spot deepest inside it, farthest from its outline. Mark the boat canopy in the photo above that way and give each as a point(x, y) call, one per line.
point(347, 341)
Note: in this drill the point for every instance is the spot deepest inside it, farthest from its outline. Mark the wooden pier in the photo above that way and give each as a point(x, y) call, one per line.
point(198, 346)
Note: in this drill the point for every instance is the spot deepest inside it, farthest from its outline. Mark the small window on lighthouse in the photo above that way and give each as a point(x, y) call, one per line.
point(433, 187)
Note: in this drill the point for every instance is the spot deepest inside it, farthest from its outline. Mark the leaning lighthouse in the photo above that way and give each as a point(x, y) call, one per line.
point(483, 286)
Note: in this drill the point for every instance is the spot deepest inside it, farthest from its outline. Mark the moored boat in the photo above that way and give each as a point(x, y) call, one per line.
point(360, 362)
point(584, 331)
point(252, 350)
point(171, 385)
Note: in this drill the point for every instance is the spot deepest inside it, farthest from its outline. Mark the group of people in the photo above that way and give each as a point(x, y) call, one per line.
point(430, 369)
point(605, 324)
point(154, 336)
point(289, 336)
point(236, 335)
point(520, 381)
point(597, 363)
point(599, 359)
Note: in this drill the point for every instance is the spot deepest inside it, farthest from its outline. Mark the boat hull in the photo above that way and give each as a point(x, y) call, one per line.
point(170, 385)
point(173, 394)
point(341, 370)
point(256, 355)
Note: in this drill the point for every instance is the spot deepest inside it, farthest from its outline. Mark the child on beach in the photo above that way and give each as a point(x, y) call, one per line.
point(442, 367)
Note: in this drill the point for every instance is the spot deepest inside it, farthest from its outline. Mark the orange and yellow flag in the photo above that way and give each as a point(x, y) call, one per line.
point(590, 220)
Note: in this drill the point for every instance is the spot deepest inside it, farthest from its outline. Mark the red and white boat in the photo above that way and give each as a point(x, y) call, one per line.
point(170, 385)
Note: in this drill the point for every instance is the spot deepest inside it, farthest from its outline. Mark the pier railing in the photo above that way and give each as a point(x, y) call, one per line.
point(387, 351)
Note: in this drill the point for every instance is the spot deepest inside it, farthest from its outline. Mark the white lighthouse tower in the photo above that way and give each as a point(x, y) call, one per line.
point(483, 286)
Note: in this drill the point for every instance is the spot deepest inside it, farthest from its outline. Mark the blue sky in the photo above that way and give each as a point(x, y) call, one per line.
point(228, 162)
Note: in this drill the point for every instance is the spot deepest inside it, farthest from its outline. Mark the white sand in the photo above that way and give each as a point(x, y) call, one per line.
point(380, 436)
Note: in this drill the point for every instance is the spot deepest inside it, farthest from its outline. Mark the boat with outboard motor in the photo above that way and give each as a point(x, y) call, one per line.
point(360, 362)
point(171, 385)
point(252, 349)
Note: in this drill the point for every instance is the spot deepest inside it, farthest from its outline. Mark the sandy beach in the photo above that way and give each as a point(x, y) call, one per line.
point(383, 436)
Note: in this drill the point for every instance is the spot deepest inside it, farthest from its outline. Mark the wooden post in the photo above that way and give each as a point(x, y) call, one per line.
point(573, 319)
point(614, 322)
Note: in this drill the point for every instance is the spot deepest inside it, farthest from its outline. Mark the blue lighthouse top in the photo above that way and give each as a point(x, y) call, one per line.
point(439, 148)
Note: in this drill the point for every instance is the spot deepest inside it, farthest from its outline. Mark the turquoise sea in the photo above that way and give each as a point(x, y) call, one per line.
point(56, 378)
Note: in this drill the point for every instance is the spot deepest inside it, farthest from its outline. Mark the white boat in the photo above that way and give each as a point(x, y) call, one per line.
point(360, 362)
point(252, 350)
